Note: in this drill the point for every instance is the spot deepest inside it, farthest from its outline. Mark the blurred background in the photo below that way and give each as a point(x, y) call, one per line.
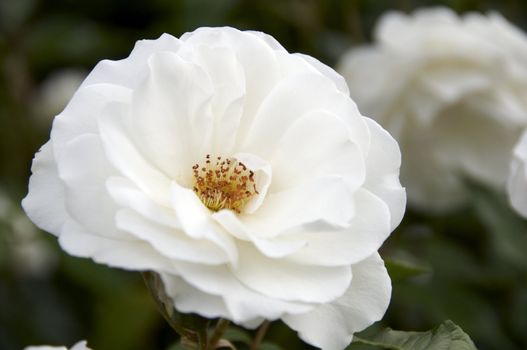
point(470, 267)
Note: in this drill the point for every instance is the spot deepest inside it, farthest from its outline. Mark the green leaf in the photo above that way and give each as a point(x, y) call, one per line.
point(402, 269)
point(269, 346)
point(447, 336)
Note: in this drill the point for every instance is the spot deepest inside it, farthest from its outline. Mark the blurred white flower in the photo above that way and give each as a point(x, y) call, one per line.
point(56, 91)
point(27, 252)
point(82, 345)
point(242, 173)
point(452, 90)
point(517, 184)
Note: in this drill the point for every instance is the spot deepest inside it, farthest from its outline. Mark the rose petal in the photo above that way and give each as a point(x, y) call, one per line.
point(262, 177)
point(118, 72)
point(383, 163)
point(285, 280)
point(368, 230)
point(257, 59)
point(320, 204)
point(170, 119)
point(170, 242)
point(244, 304)
point(293, 97)
point(83, 168)
point(125, 157)
point(78, 120)
point(274, 247)
point(44, 203)
point(302, 154)
point(125, 254)
point(196, 221)
point(127, 195)
point(331, 326)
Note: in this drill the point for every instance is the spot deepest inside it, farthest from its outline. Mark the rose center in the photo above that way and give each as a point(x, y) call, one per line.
point(224, 183)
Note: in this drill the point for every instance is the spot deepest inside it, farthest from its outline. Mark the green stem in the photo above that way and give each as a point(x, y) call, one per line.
point(221, 326)
point(260, 334)
point(202, 338)
point(163, 302)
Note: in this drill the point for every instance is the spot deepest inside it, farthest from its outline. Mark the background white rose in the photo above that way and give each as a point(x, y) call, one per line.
point(452, 90)
point(115, 182)
point(82, 345)
point(55, 92)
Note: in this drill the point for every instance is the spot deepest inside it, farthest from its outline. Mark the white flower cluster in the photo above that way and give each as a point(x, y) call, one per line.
point(243, 174)
point(82, 345)
point(452, 90)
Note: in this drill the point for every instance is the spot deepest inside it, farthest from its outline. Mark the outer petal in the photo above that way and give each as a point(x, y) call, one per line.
point(44, 203)
point(331, 326)
point(329, 72)
point(244, 304)
point(77, 119)
point(125, 254)
point(188, 299)
point(83, 169)
point(282, 279)
point(118, 72)
point(383, 163)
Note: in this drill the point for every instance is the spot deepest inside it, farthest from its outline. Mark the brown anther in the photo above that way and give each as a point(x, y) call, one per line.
point(224, 184)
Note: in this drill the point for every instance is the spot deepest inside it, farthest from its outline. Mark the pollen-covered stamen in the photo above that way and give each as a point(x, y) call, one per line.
point(224, 183)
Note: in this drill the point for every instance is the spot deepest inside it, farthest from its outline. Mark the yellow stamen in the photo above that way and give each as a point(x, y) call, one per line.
point(224, 184)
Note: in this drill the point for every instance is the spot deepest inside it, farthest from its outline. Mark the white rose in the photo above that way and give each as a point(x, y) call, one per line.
point(291, 231)
point(517, 184)
point(452, 90)
point(82, 345)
